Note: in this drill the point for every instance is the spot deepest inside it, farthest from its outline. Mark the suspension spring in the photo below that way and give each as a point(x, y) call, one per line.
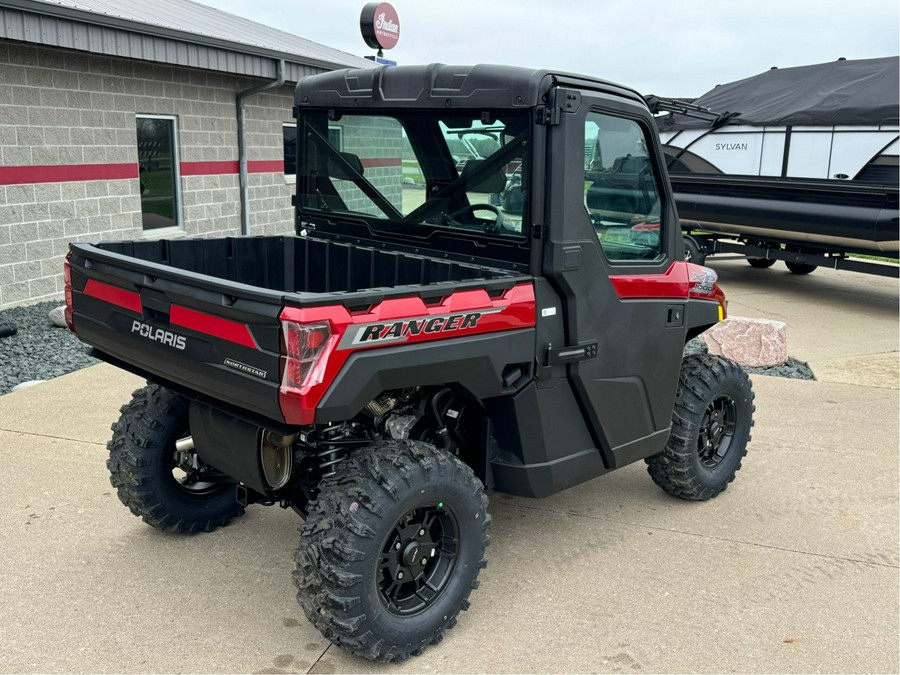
point(329, 458)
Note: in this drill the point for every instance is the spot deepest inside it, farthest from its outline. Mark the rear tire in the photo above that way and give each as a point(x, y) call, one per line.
point(391, 549)
point(761, 263)
point(800, 268)
point(142, 467)
point(710, 429)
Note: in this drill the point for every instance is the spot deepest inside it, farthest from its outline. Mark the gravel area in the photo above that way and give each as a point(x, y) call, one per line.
point(39, 350)
point(793, 369)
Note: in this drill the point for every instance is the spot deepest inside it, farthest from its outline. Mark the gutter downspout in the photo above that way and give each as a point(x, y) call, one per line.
point(242, 143)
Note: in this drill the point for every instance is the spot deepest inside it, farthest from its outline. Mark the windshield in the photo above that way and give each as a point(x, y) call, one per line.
point(416, 171)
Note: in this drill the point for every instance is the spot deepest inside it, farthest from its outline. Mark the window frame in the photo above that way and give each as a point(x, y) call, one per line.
point(176, 166)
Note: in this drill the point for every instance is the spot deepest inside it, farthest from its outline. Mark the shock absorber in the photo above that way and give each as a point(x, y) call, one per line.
point(332, 452)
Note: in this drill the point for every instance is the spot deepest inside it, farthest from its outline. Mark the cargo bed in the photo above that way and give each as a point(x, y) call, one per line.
point(203, 316)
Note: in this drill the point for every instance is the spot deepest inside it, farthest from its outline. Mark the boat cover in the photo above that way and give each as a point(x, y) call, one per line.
point(861, 92)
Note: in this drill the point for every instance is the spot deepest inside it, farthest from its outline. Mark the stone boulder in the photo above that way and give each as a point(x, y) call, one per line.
point(755, 343)
point(57, 316)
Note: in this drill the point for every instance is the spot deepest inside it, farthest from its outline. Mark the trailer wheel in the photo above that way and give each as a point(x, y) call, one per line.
point(800, 268)
point(710, 429)
point(692, 251)
point(761, 263)
point(144, 467)
point(391, 549)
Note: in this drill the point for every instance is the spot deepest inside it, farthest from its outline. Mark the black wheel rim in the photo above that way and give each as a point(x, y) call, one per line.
point(418, 559)
point(717, 430)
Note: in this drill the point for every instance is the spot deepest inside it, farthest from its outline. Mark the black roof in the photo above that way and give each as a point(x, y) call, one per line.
point(439, 85)
point(862, 92)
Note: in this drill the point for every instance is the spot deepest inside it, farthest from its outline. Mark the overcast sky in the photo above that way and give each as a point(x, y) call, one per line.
point(664, 47)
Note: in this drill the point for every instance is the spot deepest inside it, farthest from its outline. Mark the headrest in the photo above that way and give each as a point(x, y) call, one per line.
point(494, 181)
point(338, 170)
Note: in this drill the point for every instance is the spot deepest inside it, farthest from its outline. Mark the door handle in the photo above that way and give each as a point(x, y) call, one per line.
point(560, 356)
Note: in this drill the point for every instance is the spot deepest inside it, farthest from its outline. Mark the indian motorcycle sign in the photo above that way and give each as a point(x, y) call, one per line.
point(380, 25)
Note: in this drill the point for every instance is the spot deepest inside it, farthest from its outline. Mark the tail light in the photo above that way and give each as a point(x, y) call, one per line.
point(67, 276)
point(303, 344)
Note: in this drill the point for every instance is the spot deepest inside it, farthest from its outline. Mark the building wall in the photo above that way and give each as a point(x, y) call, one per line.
point(378, 143)
point(69, 159)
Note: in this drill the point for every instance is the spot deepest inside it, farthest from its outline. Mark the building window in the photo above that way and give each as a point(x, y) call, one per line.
point(158, 168)
point(289, 134)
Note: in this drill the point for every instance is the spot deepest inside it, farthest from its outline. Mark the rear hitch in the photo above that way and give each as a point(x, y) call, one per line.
point(245, 496)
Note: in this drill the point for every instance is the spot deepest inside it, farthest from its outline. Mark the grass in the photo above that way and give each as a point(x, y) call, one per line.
point(877, 258)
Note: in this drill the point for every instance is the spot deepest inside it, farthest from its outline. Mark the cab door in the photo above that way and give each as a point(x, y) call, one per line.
point(612, 239)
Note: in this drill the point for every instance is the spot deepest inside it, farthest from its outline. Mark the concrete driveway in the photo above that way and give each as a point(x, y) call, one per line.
point(793, 568)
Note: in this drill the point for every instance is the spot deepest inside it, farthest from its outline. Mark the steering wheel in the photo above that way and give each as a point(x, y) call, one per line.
point(472, 208)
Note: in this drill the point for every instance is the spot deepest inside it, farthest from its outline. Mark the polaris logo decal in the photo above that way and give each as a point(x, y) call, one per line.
point(401, 331)
point(158, 335)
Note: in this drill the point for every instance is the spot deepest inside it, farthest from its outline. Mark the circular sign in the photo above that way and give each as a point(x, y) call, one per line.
point(380, 25)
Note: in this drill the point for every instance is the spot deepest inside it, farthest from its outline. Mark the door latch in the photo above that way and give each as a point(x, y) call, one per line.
point(560, 356)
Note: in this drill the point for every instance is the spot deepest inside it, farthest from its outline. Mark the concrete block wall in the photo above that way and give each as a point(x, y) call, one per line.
point(61, 110)
point(371, 138)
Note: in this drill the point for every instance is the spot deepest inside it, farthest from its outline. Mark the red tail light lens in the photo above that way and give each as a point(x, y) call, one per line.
point(303, 345)
point(67, 276)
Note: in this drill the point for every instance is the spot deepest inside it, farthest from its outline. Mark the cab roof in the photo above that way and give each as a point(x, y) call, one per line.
point(442, 86)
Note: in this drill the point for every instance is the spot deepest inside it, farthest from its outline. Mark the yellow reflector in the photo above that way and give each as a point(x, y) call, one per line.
point(721, 313)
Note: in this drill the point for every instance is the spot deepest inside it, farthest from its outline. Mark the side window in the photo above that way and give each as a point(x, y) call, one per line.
point(160, 183)
point(621, 188)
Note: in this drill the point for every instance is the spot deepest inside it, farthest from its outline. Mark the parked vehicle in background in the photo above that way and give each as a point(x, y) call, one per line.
point(794, 164)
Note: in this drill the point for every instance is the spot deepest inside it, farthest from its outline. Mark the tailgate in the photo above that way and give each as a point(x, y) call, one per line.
point(218, 338)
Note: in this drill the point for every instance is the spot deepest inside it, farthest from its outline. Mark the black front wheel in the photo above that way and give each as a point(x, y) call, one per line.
point(169, 489)
point(710, 429)
point(391, 549)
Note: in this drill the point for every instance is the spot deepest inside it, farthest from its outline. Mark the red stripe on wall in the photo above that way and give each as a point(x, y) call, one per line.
point(378, 162)
point(208, 168)
point(266, 166)
point(230, 167)
point(61, 173)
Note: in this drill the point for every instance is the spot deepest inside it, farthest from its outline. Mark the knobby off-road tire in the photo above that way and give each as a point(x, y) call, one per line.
point(141, 463)
point(392, 547)
point(710, 429)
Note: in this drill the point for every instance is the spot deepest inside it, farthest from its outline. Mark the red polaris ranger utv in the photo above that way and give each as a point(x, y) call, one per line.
point(415, 343)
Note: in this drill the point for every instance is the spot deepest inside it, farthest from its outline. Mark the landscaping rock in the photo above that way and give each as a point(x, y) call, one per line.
point(57, 316)
point(756, 343)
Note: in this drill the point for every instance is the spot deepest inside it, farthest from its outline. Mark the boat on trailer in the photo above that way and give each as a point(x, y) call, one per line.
point(797, 164)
